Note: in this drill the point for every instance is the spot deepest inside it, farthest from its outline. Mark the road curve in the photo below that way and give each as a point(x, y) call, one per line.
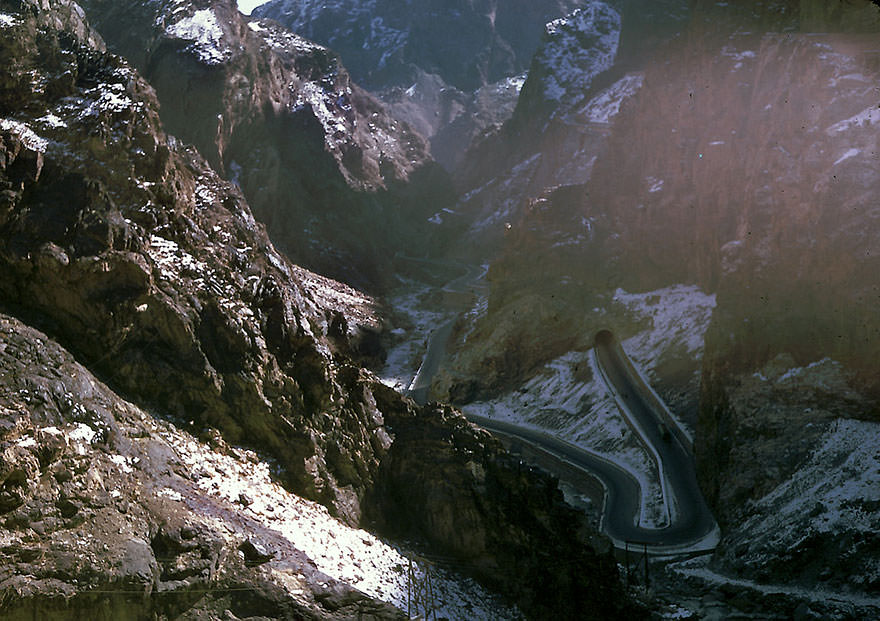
point(692, 527)
point(691, 519)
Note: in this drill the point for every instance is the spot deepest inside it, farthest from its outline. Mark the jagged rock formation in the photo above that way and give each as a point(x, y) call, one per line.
point(385, 46)
point(318, 158)
point(130, 252)
point(150, 267)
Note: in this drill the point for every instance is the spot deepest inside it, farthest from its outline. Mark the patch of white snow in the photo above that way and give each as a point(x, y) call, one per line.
point(205, 33)
point(679, 316)
point(606, 105)
point(27, 136)
point(866, 118)
point(849, 153)
point(52, 121)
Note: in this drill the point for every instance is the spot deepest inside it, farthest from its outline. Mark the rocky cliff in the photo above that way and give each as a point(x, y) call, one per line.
point(319, 159)
point(141, 266)
point(740, 158)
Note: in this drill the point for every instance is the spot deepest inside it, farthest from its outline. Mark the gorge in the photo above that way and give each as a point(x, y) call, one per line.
point(262, 274)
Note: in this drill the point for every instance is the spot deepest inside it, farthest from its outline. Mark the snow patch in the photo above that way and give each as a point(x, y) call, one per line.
point(24, 133)
point(122, 462)
point(656, 184)
point(679, 316)
point(167, 492)
point(26, 442)
point(172, 259)
point(205, 33)
point(850, 153)
point(83, 435)
point(52, 121)
point(7, 21)
point(110, 98)
point(738, 56)
point(246, 6)
point(867, 117)
point(606, 105)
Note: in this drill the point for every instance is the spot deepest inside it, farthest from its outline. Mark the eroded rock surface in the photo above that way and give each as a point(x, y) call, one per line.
point(103, 517)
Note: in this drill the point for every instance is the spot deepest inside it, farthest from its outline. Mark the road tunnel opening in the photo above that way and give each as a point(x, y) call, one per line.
point(604, 338)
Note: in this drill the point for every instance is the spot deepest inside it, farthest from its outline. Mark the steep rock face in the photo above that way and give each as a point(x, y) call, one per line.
point(574, 50)
point(128, 249)
point(663, 211)
point(103, 517)
point(149, 266)
point(317, 157)
point(744, 163)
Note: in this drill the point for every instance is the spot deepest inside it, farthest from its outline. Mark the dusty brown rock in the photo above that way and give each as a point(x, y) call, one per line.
point(104, 542)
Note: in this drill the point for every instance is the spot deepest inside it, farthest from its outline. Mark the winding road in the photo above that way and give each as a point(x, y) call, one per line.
point(691, 527)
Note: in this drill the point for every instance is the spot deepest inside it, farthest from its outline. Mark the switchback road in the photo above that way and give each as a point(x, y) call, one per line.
point(692, 526)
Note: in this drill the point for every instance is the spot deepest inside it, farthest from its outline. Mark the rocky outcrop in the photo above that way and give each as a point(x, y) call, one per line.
point(455, 487)
point(138, 257)
point(319, 159)
point(574, 50)
point(102, 516)
point(127, 249)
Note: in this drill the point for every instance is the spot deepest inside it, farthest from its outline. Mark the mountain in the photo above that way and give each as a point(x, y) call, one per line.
point(734, 169)
point(153, 338)
point(451, 70)
point(319, 159)
point(385, 46)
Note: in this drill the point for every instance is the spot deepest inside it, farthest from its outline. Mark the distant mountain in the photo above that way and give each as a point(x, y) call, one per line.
point(429, 58)
point(385, 44)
